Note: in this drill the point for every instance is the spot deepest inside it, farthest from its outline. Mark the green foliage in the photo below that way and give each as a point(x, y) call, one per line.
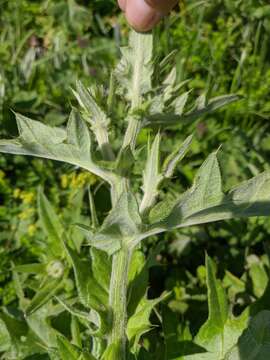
point(78, 289)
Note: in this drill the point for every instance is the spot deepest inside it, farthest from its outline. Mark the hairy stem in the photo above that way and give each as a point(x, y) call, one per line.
point(118, 301)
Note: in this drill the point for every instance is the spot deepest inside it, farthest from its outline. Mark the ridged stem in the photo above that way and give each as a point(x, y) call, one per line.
point(118, 301)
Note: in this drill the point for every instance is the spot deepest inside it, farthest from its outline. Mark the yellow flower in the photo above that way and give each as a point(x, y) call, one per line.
point(26, 214)
point(64, 181)
point(27, 197)
point(32, 229)
point(16, 193)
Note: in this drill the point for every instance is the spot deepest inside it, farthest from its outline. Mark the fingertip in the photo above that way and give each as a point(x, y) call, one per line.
point(141, 16)
point(122, 4)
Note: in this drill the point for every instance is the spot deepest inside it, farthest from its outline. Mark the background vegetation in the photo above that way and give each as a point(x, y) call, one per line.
point(221, 47)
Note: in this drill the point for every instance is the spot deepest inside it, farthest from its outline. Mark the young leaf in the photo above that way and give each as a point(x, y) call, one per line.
point(31, 268)
point(180, 103)
point(37, 139)
point(135, 70)
point(172, 160)
point(96, 323)
point(77, 132)
point(151, 177)
point(75, 331)
point(139, 322)
point(99, 121)
point(93, 113)
point(122, 225)
point(93, 212)
point(43, 295)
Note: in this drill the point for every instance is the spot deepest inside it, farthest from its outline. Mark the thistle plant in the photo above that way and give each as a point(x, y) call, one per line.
point(111, 281)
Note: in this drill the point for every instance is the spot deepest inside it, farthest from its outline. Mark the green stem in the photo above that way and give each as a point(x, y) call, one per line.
point(118, 301)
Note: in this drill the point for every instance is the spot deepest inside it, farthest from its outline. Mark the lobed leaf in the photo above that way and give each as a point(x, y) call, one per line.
point(37, 139)
point(205, 202)
point(139, 322)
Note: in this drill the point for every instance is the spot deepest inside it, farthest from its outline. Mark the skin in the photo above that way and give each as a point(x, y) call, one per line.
point(143, 15)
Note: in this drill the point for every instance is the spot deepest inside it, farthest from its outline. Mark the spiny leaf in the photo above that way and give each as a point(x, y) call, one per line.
point(109, 243)
point(98, 119)
point(180, 103)
point(217, 302)
point(121, 226)
point(177, 336)
point(135, 70)
point(205, 192)
point(151, 176)
point(77, 132)
point(221, 330)
point(39, 323)
point(172, 160)
point(139, 275)
point(139, 322)
point(251, 198)
point(93, 113)
point(172, 119)
point(37, 139)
